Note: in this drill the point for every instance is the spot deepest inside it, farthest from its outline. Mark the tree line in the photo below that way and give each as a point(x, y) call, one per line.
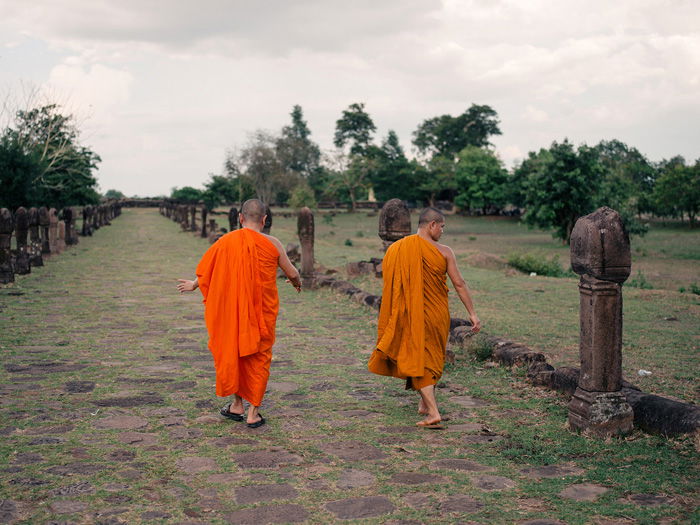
point(455, 161)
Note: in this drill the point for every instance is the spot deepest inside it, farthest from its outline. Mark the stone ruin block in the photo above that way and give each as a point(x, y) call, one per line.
point(394, 222)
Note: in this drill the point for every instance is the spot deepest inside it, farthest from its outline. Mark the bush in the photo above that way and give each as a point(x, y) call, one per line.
point(639, 281)
point(695, 288)
point(537, 263)
point(479, 346)
point(348, 242)
point(302, 196)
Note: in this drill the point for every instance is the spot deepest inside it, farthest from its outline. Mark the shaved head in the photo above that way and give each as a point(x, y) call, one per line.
point(253, 210)
point(429, 215)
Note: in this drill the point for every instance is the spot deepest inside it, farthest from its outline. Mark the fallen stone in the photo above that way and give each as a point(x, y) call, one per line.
point(650, 500)
point(130, 401)
point(255, 493)
point(68, 506)
point(121, 455)
point(353, 478)
point(492, 483)
point(8, 511)
point(77, 387)
point(465, 427)
point(460, 503)
point(415, 478)
point(137, 438)
point(583, 492)
point(552, 471)
point(195, 464)
point(283, 513)
point(121, 422)
point(75, 468)
point(352, 450)
point(155, 515)
point(26, 458)
point(460, 464)
point(82, 487)
point(357, 508)
point(417, 500)
point(266, 459)
point(282, 386)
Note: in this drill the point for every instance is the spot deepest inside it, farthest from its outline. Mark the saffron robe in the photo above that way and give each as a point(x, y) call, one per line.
point(414, 318)
point(238, 280)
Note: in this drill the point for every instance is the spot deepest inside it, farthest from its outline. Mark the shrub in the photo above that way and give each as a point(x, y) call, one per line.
point(348, 242)
point(640, 281)
point(537, 263)
point(302, 196)
point(695, 288)
point(479, 347)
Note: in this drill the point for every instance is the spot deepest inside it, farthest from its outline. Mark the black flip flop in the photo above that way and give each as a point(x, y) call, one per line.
point(257, 423)
point(226, 413)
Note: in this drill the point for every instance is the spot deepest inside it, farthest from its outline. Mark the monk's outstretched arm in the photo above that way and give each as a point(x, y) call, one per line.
point(462, 289)
point(185, 285)
point(287, 267)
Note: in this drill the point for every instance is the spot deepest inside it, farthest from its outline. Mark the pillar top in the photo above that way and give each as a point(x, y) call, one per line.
point(394, 221)
point(600, 246)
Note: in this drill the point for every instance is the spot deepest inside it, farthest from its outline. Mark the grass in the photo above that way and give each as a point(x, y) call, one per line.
point(110, 304)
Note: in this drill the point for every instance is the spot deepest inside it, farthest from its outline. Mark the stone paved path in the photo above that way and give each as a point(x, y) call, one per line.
point(108, 411)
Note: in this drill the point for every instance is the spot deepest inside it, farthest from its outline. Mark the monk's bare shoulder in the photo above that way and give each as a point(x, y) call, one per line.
point(276, 242)
point(445, 250)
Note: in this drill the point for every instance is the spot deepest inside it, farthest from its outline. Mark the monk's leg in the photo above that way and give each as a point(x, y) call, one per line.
point(427, 394)
point(236, 406)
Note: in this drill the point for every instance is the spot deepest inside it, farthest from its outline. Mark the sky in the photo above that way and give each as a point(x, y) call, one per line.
point(164, 89)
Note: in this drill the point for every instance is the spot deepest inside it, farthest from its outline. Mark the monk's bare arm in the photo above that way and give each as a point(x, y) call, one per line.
point(461, 287)
point(287, 267)
point(185, 285)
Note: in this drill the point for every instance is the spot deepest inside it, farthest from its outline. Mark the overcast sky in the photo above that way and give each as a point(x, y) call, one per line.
point(167, 87)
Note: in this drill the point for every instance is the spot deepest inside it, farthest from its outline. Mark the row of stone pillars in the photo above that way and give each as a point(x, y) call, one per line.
point(195, 218)
point(41, 232)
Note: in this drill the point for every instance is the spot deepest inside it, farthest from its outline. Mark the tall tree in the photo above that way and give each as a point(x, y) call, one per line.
point(563, 189)
point(355, 127)
point(257, 164)
point(481, 180)
point(437, 179)
point(677, 190)
point(297, 153)
point(393, 175)
point(447, 135)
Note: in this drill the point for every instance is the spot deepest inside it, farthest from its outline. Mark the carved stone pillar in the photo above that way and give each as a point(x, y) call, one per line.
point(232, 219)
point(35, 258)
point(6, 226)
point(44, 230)
point(22, 266)
point(305, 228)
point(53, 230)
point(268, 220)
point(394, 222)
point(600, 254)
point(204, 222)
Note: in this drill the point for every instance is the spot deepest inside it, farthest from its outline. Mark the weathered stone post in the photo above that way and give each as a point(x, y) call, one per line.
point(204, 222)
point(305, 229)
point(86, 221)
point(21, 225)
point(35, 258)
point(268, 220)
point(61, 240)
point(44, 225)
point(394, 222)
point(69, 220)
point(6, 226)
point(193, 221)
point(232, 219)
point(600, 254)
point(53, 230)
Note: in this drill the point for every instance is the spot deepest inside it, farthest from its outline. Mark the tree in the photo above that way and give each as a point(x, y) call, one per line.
point(393, 175)
point(114, 194)
point(349, 175)
point(297, 153)
point(302, 195)
point(438, 179)
point(220, 189)
point(518, 179)
point(447, 136)
point(355, 127)
point(481, 180)
point(19, 172)
point(186, 195)
point(62, 172)
point(677, 189)
point(563, 189)
point(257, 164)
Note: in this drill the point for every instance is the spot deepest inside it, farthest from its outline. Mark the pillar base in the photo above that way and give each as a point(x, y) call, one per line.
point(600, 413)
point(309, 282)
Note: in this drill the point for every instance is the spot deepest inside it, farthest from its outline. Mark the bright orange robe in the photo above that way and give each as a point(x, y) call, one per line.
point(414, 319)
point(238, 279)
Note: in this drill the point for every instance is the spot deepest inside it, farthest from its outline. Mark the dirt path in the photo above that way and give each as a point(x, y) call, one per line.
point(109, 415)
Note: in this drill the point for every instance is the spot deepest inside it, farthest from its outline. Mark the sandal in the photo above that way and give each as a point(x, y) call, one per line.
point(257, 423)
point(231, 415)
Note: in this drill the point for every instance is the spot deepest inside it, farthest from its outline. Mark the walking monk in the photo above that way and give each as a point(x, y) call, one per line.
point(238, 280)
point(414, 319)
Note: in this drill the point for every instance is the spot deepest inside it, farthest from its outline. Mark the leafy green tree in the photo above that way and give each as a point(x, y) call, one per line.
point(519, 176)
point(481, 180)
point(297, 153)
point(677, 190)
point(220, 189)
point(393, 175)
point(349, 176)
point(447, 135)
point(563, 189)
point(186, 194)
point(437, 179)
point(19, 172)
point(302, 195)
point(257, 165)
point(356, 128)
point(114, 194)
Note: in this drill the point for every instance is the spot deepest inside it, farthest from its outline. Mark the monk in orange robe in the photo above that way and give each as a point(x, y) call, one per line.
point(238, 280)
point(414, 318)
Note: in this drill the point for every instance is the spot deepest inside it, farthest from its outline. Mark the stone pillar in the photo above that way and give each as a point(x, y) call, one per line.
point(6, 226)
point(53, 230)
point(600, 254)
point(61, 239)
point(193, 222)
point(394, 222)
point(69, 221)
point(268, 220)
point(21, 224)
point(204, 222)
point(44, 230)
point(232, 219)
point(86, 221)
point(35, 258)
point(305, 228)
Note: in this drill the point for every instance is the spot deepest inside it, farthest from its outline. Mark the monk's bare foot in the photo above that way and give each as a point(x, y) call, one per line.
point(433, 419)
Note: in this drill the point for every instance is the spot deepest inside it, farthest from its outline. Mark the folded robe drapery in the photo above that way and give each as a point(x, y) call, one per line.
point(414, 319)
point(237, 278)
